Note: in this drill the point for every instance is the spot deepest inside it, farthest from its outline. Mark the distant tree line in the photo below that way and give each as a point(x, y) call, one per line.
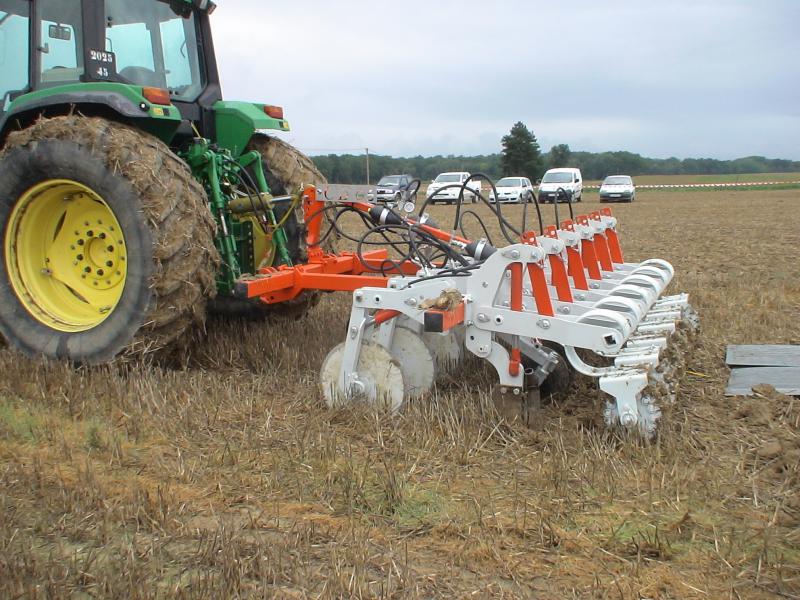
point(349, 168)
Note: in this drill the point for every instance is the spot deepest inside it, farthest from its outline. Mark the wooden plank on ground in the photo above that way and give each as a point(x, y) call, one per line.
point(784, 379)
point(763, 356)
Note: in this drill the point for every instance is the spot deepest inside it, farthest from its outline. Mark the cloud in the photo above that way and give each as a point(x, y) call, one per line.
point(677, 78)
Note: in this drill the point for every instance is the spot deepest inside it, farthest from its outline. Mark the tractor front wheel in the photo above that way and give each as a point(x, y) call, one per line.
point(108, 242)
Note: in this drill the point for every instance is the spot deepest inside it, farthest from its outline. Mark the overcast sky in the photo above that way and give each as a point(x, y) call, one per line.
point(685, 78)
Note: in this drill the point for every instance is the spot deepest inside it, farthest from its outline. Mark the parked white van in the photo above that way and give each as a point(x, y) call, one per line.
point(568, 179)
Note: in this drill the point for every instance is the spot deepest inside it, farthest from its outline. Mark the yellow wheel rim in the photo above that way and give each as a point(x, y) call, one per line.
point(65, 255)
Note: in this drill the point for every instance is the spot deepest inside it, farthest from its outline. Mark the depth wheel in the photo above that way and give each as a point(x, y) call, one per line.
point(380, 378)
point(108, 242)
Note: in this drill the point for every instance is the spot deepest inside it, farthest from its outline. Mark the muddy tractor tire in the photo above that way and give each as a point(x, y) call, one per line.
point(286, 170)
point(108, 243)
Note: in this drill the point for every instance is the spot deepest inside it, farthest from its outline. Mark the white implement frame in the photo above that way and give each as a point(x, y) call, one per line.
point(623, 317)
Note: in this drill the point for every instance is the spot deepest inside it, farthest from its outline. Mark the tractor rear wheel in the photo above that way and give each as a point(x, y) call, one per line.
point(108, 242)
point(286, 170)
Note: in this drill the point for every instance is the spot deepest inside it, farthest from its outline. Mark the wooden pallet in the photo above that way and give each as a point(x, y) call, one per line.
point(775, 365)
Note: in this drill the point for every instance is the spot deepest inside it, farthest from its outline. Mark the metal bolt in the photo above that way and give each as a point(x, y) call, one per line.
point(79, 257)
point(514, 254)
point(87, 270)
point(628, 420)
point(109, 263)
point(90, 234)
point(109, 248)
point(516, 391)
point(503, 390)
point(565, 310)
point(482, 318)
point(411, 301)
point(100, 272)
point(543, 323)
point(594, 285)
point(80, 242)
point(580, 296)
point(353, 332)
point(484, 284)
point(102, 236)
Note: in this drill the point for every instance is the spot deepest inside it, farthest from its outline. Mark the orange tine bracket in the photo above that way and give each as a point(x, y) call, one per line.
point(613, 239)
point(601, 246)
point(312, 214)
point(541, 296)
point(559, 276)
point(588, 253)
point(516, 305)
point(575, 266)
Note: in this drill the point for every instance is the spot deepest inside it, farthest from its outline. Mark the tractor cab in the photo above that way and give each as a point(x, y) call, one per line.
point(151, 62)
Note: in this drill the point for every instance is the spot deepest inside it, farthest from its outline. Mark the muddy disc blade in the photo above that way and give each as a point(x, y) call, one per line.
point(379, 374)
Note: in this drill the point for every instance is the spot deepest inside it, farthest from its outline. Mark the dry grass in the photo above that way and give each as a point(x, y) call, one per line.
point(231, 479)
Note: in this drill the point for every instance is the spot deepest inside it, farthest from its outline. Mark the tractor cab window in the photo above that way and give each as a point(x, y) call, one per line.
point(155, 45)
point(59, 43)
point(14, 32)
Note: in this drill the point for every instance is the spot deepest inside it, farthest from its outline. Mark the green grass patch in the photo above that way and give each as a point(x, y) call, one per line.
point(19, 424)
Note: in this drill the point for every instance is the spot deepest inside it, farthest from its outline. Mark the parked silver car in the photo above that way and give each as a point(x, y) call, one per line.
point(617, 188)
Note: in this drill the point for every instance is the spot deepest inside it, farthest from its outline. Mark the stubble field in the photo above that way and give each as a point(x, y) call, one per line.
point(230, 478)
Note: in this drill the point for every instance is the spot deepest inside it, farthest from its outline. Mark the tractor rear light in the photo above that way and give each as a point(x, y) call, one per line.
point(157, 96)
point(276, 112)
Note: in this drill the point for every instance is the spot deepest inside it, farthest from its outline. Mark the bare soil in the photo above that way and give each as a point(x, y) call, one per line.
point(230, 478)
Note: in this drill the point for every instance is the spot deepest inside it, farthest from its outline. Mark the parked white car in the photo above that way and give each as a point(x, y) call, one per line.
point(450, 194)
point(617, 188)
point(512, 189)
point(568, 179)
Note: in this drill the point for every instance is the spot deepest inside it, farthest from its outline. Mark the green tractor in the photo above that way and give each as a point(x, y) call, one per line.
point(132, 196)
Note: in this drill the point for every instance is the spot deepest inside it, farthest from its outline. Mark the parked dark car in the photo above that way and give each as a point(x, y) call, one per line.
point(390, 189)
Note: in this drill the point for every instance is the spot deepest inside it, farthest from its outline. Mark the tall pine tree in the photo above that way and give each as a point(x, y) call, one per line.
point(521, 154)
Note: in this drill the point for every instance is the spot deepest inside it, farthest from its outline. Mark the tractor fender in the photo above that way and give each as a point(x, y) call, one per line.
point(124, 105)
